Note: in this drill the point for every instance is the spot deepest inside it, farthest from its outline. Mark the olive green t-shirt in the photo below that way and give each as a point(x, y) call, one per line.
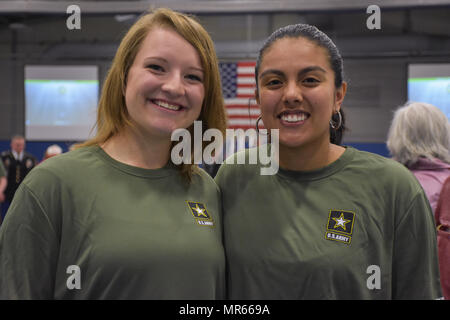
point(85, 226)
point(360, 228)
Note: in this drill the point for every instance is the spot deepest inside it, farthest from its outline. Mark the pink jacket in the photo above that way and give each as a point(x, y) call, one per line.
point(431, 175)
point(443, 239)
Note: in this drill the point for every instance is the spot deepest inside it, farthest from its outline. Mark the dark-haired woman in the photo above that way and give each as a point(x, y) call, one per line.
point(334, 222)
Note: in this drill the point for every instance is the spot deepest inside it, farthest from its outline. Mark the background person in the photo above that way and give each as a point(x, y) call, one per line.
point(443, 229)
point(52, 151)
point(117, 209)
point(334, 222)
point(18, 163)
point(3, 184)
point(419, 138)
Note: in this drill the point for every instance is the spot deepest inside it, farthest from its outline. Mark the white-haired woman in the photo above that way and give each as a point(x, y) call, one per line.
point(419, 138)
point(52, 151)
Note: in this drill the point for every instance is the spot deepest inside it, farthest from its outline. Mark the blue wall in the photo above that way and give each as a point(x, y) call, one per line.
point(378, 148)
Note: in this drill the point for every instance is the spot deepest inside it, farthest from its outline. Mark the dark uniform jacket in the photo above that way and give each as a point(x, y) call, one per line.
point(16, 170)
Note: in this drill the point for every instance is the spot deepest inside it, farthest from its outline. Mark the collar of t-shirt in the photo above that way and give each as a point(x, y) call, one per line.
point(321, 173)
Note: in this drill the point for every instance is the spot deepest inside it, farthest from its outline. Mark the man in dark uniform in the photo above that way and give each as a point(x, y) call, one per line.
point(17, 163)
point(3, 184)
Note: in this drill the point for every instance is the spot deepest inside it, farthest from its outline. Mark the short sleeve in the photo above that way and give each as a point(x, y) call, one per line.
point(28, 249)
point(415, 261)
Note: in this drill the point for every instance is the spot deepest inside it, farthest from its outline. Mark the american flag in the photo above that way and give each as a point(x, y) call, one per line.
point(238, 85)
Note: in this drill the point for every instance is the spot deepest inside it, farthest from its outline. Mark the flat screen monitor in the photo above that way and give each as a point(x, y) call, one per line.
point(60, 102)
point(430, 83)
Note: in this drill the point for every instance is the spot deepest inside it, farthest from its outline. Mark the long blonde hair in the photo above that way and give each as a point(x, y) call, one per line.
point(112, 114)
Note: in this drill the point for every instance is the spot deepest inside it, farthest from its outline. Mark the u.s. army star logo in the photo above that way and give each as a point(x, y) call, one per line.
point(340, 226)
point(200, 214)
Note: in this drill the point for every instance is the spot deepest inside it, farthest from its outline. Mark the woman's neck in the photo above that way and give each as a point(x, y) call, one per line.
point(311, 157)
point(136, 149)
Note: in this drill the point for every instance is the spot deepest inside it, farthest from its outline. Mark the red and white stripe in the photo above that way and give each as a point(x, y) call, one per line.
point(243, 110)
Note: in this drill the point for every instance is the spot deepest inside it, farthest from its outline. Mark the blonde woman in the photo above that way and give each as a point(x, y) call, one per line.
point(115, 218)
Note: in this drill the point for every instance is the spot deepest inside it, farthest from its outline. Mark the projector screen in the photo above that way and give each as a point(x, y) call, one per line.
point(430, 83)
point(60, 102)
